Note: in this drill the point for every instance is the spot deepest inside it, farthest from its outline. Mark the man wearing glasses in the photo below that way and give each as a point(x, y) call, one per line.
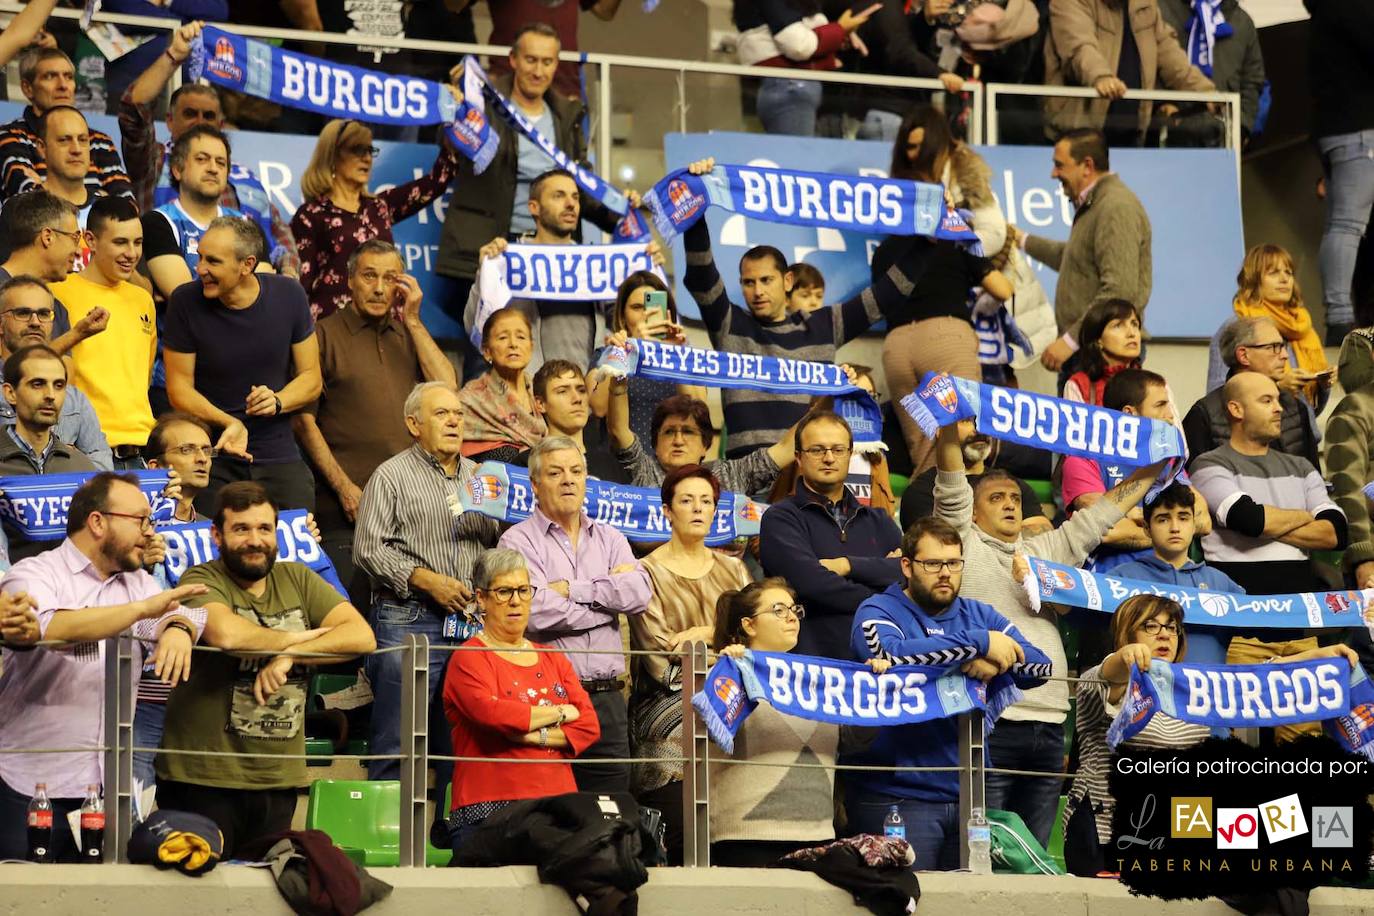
point(833, 550)
point(1254, 345)
point(925, 620)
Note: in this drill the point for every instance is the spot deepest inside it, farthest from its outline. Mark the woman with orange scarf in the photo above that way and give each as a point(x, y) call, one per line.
point(1268, 289)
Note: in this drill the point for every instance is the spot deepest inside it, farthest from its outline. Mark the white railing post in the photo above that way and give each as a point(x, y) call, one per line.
point(972, 764)
point(120, 672)
point(696, 763)
point(414, 729)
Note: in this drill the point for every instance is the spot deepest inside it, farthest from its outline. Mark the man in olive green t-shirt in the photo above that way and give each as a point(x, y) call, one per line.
point(251, 703)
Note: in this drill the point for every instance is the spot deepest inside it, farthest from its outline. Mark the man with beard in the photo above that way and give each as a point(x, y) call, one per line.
point(90, 588)
point(252, 703)
point(987, 519)
point(979, 451)
point(26, 316)
point(586, 577)
point(926, 621)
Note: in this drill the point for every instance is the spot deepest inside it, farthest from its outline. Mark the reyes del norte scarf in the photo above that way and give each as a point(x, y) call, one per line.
point(556, 273)
point(666, 362)
point(35, 506)
point(1201, 607)
point(1243, 696)
point(503, 492)
point(839, 692)
point(877, 206)
point(189, 544)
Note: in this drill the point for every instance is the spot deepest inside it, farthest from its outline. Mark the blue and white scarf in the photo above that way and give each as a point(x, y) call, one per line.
point(839, 692)
point(631, 227)
point(503, 492)
point(338, 90)
point(1201, 607)
point(1206, 26)
point(1041, 421)
point(1354, 731)
point(877, 206)
point(665, 362)
point(1234, 696)
point(189, 544)
point(556, 273)
point(35, 506)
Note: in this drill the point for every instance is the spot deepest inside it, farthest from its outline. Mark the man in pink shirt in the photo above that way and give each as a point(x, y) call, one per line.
point(87, 590)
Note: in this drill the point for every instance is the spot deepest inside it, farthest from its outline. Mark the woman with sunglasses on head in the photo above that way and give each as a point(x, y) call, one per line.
point(340, 213)
point(512, 702)
point(687, 578)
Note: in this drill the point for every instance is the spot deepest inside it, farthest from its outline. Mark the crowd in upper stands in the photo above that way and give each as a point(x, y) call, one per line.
point(158, 311)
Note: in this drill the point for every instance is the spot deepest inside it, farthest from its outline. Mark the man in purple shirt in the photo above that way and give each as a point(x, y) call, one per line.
point(87, 590)
point(585, 576)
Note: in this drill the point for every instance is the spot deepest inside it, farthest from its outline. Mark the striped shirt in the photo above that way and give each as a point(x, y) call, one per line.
point(406, 521)
point(759, 418)
point(1094, 716)
point(19, 153)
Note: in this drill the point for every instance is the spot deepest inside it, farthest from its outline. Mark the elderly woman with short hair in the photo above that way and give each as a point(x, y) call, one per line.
point(515, 701)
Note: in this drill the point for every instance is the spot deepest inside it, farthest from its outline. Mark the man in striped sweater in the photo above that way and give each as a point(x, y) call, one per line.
point(756, 419)
point(48, 79)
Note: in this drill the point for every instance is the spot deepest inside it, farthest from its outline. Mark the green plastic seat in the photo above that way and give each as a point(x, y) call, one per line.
point(322, 684)
point(1056, 849)
point(1044, 490)
point(364, 817)
point(899, 483)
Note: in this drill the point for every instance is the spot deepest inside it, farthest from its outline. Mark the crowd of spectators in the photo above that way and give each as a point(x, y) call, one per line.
point(159, 312)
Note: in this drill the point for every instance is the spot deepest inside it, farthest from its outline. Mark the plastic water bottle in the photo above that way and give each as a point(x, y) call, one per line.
point(979, 843)
point(93, 826)
point(40, 825)
point(893, 825)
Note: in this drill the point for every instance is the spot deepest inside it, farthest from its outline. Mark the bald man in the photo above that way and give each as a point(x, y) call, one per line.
point(1271, 510)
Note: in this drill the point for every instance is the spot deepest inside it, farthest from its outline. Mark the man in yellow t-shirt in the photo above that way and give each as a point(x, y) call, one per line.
point(114, 367)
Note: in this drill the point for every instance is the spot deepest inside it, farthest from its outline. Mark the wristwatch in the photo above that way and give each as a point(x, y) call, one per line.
point(544, 736)
point(278, 400)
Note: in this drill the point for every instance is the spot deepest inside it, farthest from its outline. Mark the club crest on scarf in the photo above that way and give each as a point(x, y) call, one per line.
point(223, 63)
point(731, 694)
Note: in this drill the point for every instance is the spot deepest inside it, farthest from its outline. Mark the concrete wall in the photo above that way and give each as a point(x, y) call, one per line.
point(117, 889)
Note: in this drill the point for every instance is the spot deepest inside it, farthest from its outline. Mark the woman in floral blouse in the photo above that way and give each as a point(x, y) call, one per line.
point(340, 213)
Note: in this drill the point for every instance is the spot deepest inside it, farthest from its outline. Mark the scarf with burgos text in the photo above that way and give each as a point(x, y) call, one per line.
point(877, 206)
point(556, 273)
point(503, 492)
point(666, 362)
point(1092, 591)
point(190, 544)
point(35, 506)
point(1243, 696)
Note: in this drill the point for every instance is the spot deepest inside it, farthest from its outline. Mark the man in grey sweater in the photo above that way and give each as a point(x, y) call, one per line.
point(1030, 734)
point(1107, 255)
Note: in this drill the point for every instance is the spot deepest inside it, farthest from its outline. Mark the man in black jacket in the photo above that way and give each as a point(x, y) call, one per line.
point(834, 551)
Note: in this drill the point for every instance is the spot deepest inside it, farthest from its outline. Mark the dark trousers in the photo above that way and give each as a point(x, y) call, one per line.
point(14, 826)
point(668, 799)
point(754, 853)
point(1027, 746)
point(614, 744)
point(336, 534)
point(291, 485)
point(243, 815)
point(932, 828)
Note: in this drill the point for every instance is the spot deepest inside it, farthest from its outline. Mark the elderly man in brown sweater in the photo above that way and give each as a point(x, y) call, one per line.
point(1107, 255)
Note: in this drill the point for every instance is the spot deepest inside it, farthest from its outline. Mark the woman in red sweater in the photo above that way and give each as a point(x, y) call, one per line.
point(513, 703)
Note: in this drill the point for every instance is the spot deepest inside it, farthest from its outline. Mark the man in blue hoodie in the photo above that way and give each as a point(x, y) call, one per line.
point(927, 623)
point(1171, 524)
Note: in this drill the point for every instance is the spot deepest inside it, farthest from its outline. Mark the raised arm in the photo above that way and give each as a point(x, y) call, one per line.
point(23, 28)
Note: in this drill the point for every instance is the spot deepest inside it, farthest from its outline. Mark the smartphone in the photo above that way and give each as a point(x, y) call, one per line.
point(656, 309)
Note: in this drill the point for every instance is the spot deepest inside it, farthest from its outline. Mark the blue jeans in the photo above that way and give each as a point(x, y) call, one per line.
point(1349, 163)
point(932, 828)
point(880, 125)
point(1026, 746)
point(393, 621)
point(148, 721)
point(788, 106)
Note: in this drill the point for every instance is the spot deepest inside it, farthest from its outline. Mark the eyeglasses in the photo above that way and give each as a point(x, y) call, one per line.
point(783, 611)
point(144, 521)
point(934, 566)
point(1274, 348)
point(188, 450)
point(1152, 628)
point(505, 593)
point(686, 432)
point(824, 451)
point(74, 235)
point(27, 315)
point(361, 149)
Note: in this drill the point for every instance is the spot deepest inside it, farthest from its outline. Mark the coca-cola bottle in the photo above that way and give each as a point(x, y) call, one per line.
point(40, 825)
point(93, 826)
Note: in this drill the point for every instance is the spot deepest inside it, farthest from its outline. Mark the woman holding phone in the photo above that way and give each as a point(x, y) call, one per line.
point(644, 309)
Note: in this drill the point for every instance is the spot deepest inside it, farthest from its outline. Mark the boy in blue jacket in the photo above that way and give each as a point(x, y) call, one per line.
point(927, 623)
point(1170, 522)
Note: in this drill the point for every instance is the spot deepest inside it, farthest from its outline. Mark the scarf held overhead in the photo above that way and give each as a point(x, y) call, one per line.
point(503, 492)
point(877, 206)
point(1201, 607)
point(35, 506)
point(189, 544)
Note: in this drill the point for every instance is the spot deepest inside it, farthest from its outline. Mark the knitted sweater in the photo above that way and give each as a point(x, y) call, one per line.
point(1350, 440)
point(1107, 255)
point(987, 578)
